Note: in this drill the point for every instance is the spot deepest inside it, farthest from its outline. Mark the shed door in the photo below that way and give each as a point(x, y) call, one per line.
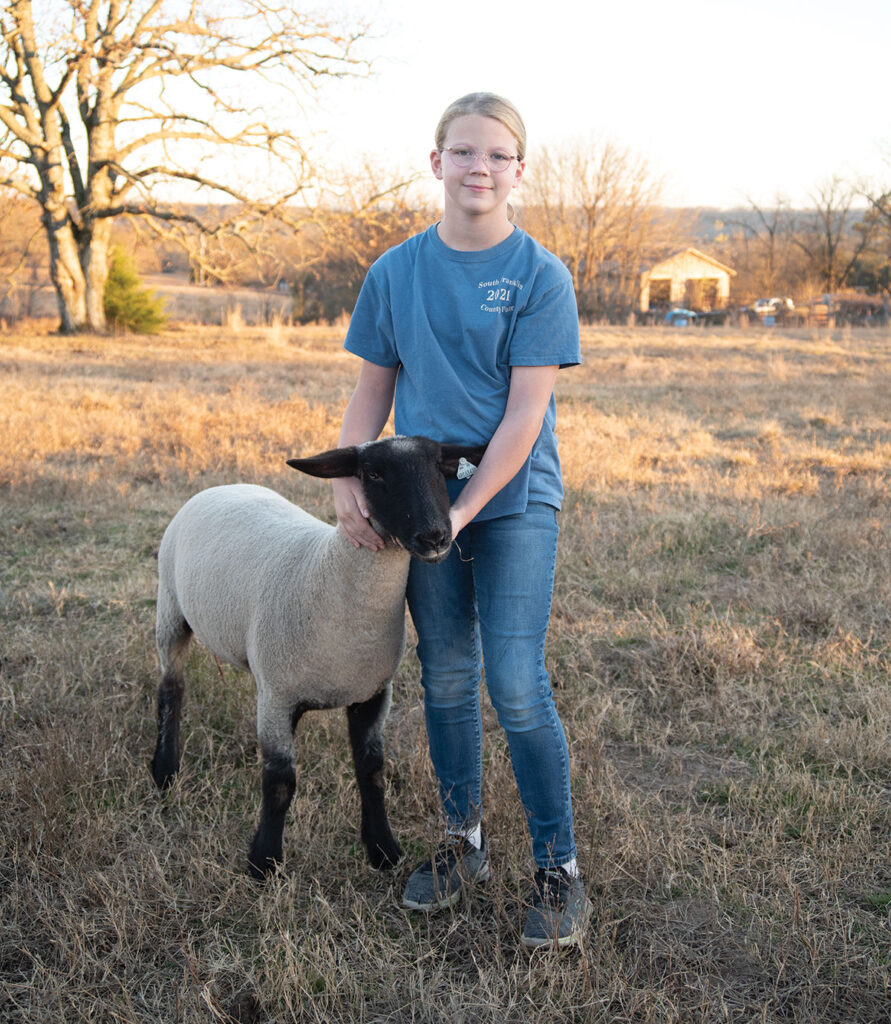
point(701, 293)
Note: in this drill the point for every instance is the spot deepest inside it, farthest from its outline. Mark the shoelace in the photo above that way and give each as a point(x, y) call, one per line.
point(550, 887)
point(448, 854)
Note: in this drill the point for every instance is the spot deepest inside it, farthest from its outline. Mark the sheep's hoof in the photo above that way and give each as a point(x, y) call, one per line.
point(262, 865)
point(261, 874)
point(163, 774)
point(382, 858)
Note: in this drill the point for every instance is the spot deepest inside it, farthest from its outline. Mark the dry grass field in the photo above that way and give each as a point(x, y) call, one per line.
point(719, 648)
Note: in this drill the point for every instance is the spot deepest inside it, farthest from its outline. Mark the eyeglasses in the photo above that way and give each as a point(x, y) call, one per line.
point(464, 156)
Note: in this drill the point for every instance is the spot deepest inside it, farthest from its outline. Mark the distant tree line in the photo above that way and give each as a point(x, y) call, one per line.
point(604, 220)
point(109, 107)
point(842, 241)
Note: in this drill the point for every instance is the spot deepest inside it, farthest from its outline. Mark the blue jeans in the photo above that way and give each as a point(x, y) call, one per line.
point(489, 603)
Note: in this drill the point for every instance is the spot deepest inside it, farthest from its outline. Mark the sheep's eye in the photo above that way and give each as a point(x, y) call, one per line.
point(372, 474)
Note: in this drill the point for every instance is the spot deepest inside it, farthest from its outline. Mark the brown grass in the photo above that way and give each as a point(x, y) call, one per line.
point(719, 648)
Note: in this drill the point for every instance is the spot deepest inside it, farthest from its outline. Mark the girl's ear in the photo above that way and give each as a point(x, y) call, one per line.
point(518, 173)
point(337, 462)
point(436, 163)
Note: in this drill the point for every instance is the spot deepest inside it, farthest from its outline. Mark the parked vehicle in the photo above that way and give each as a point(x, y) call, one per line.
point(773, 307)
point(680, 317)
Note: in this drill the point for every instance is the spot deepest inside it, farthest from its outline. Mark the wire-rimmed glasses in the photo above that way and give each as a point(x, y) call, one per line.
point(496, 160)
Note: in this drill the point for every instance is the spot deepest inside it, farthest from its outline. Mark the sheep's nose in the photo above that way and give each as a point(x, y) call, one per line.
point(433, 540)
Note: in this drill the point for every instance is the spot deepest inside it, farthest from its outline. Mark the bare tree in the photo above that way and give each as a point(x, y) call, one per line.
point(759, 242)
point(833, 236)
point(878, 196)
point(105, 103)
point(597, 207)
point(771, 233)
point(22, 256)
point(880, 201)
point(370, 211)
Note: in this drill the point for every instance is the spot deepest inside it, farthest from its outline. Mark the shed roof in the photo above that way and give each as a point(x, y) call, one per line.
point(693, 252)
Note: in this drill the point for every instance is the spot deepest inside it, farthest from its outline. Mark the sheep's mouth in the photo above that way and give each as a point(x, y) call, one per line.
point(431, 557)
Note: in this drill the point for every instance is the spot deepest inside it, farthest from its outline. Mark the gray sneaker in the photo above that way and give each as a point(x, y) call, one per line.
point(560, 910)
point(438, 882)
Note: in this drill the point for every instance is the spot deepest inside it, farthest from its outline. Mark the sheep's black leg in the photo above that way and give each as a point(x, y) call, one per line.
point(366, 722)
point(172, 636)
point(279, 783)
point(165, 763)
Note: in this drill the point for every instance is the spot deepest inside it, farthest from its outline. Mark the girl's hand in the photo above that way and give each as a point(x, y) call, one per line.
point(459, 520)
point(530, 393)
point(352, 514)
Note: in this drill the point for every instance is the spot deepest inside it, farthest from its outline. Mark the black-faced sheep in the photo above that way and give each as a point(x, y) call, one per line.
point(319, 623)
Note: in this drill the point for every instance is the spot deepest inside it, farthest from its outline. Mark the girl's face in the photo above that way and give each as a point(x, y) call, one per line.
point(477, 190)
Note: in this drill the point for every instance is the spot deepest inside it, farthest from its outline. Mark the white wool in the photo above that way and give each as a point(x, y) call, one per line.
point(269, 588)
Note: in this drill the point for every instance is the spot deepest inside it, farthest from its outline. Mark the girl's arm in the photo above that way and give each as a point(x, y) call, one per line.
point(364, 419)
point(527, 402)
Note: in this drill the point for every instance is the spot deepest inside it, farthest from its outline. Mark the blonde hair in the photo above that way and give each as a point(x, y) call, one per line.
point(486, 104)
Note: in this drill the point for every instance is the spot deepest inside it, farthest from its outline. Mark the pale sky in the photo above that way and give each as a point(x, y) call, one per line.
point(723, 98)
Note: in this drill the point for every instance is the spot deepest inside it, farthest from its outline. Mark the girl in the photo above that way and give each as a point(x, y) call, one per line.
point(466, 326)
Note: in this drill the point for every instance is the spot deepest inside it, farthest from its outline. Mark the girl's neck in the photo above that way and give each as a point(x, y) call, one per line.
point(473, 235)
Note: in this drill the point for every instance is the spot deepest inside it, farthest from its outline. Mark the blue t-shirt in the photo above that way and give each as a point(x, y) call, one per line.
point(454, 323)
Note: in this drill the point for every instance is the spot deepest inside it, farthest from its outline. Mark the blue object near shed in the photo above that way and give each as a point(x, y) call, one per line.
point(680, 317)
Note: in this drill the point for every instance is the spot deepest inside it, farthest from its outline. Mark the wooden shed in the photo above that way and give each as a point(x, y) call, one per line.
point(690, 279)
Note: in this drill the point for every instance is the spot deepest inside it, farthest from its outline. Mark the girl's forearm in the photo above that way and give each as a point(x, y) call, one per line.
point(530, 393)
point(370, 404)
point(508, 450)
point(364, 419)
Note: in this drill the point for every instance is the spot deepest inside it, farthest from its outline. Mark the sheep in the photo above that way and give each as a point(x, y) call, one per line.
point(319, 623)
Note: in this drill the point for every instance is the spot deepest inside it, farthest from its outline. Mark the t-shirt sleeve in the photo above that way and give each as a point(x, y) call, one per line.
point(546, 332)
point(370, 334)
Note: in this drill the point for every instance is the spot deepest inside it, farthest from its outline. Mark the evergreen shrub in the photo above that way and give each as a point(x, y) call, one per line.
point(129, 306)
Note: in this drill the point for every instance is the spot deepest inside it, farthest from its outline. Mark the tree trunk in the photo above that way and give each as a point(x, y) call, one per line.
point(67, 275)
point(78, 270)
point(99, 197)
point(94, 260)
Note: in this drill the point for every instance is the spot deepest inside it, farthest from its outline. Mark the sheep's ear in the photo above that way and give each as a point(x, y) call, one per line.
point(452, 454)
point(337, 462)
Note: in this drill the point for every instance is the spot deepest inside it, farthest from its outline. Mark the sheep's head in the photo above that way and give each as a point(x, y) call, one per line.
point(404, 483)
